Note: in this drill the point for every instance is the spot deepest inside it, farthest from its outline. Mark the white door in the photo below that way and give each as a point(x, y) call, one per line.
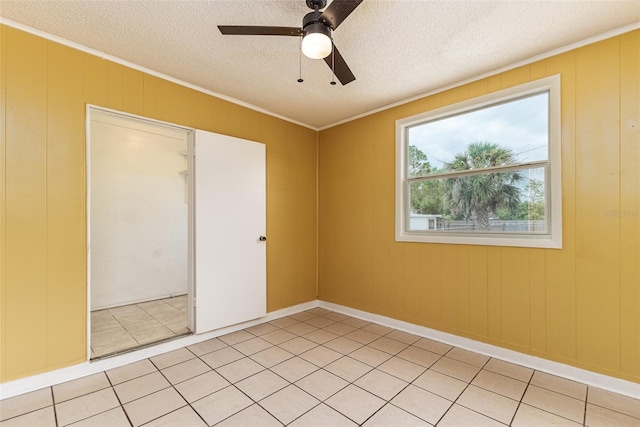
point(230, 222)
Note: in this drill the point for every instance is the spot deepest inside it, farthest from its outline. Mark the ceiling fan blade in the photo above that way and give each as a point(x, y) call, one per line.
point(338, 12)
point(251, 30)
point(340, 67)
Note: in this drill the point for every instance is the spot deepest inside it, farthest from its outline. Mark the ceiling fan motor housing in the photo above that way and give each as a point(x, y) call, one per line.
point(311, 23)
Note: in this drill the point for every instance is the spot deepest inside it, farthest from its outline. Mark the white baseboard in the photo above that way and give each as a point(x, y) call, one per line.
point(616, 385)
point(35, 382)
point(605, 382)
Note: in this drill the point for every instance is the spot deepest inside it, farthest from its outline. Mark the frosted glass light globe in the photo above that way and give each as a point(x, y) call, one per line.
point(316, 45)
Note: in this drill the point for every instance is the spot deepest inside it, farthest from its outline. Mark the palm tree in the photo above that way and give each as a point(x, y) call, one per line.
point(481, 195)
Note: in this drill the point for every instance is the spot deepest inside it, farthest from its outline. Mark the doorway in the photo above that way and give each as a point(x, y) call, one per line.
point(139, 184)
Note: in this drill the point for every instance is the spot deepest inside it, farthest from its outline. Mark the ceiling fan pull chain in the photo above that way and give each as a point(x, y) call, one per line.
point(300, 79)
point(333, 63)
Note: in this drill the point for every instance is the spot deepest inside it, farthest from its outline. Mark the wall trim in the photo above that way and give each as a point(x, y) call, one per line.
point(616, 385)
point(589, 40)
point(47, 379)
point(102, 55)
point(572, 46)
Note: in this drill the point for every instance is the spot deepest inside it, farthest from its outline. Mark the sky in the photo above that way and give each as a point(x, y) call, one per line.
point(521, 125)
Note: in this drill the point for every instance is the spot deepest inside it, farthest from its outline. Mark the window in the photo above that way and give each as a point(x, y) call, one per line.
point(484, 171)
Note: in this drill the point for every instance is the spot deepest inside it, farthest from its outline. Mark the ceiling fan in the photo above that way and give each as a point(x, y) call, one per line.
point(316, 31)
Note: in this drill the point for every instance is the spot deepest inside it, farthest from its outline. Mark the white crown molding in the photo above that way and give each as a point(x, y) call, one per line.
point(590, 40)
point(83, 48)
point(95, 52)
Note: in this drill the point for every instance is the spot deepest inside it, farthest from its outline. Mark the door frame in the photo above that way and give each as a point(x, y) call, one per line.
point(190, 215)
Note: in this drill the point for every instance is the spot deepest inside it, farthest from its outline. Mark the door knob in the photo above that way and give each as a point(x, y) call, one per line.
point(263, 238)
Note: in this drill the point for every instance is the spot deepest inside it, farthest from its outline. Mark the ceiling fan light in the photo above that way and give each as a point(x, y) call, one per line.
point(317, 44)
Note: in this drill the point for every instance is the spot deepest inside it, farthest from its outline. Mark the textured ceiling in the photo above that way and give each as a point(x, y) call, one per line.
point(397, 49)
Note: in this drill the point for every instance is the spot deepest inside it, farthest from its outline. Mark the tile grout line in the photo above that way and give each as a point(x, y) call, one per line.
point(520, 401)
point(160, 321)
point(586, 404)
point(563, 395)
point(171, 385)
point(289, 383)
point(522, 398)
point(123, 327)
point(305, 412)
point(343, 355)
point(53, 401)
point(31, 411)
point(230, 383)
point(464, 389)
point(118, 397)
point(428, 391)
point(320, 368)
point(110, 387)
point(408, 383)
point(388, 401)
point(607, 408)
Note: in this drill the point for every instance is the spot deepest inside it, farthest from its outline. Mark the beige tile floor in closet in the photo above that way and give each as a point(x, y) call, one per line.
point(320, 368)
point(122, 328)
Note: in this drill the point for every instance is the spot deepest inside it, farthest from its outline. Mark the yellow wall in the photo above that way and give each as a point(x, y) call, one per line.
point(44, 87)
point(579, 305)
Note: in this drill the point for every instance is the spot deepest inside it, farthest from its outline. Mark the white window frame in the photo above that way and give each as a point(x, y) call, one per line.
point(553, 237)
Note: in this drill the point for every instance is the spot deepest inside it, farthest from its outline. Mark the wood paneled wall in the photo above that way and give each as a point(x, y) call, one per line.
point(44, 88)
point(579, 305)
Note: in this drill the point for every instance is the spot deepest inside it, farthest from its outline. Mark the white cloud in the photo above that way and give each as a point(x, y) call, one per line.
point(521, 125)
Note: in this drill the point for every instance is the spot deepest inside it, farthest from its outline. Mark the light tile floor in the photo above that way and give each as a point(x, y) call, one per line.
point(320, 368)
point(123, 328)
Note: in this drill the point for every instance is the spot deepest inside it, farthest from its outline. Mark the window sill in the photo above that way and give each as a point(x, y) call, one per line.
point(531, 241)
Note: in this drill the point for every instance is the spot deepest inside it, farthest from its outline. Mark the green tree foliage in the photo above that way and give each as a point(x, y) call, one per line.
point(481, 196)
point(418, 163)
point(426, 196)
point(530, 209)
point(535, 205)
